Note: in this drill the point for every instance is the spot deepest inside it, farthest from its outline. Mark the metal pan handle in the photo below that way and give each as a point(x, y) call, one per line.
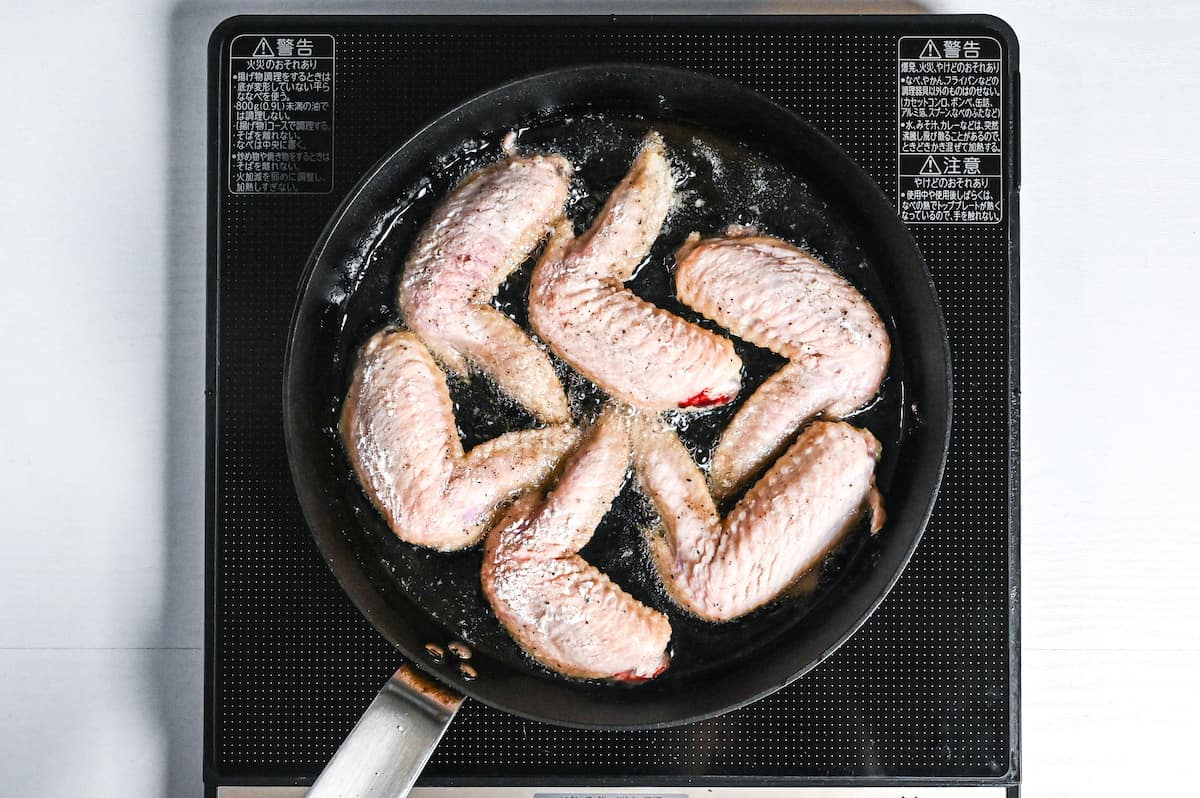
point(388, 747)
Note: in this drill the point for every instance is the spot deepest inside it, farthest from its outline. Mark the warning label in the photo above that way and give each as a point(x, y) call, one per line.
point(281, 114)
point(950, 130)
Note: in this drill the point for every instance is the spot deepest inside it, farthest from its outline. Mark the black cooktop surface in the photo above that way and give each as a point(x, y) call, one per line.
point(301, 107)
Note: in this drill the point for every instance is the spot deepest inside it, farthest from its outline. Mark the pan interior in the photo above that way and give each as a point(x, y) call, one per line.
point(720, 182)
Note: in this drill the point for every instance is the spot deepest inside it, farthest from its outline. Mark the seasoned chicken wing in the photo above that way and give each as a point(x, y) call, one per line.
point(722, 568)
point(564, 612)
point(488, 226)
point(779, 297)
point(635, 351)
point(398, 427)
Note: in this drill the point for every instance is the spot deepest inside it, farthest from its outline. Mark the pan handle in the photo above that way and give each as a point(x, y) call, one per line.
point(386, 750)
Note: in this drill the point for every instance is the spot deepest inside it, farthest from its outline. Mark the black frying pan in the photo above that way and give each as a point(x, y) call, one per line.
point(742, 159)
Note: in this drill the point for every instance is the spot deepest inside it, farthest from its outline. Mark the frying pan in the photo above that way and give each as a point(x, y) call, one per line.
point(780, 173)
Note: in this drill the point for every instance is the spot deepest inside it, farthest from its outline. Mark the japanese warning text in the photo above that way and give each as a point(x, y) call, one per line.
point(950, 130)
point(281, 114)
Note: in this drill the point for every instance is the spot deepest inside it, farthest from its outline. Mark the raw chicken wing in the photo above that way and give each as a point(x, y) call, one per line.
point(565, 613)
point(398, 427)
point(479, 236)
point(780, 297)
point(720, 569)
point(578, 304)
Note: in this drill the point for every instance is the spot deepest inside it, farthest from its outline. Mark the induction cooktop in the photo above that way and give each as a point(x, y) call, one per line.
point(923, 697)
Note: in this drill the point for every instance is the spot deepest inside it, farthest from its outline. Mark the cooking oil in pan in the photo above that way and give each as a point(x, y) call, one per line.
point(720, 184)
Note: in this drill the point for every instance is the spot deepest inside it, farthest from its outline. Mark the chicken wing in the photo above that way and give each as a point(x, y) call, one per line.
point(488, 226)
point(779, 297)
point(398, 427)
point(635, 351)
point(722, 568)
point(564, 612)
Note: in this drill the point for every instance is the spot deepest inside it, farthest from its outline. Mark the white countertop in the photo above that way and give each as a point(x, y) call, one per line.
point(102, 342)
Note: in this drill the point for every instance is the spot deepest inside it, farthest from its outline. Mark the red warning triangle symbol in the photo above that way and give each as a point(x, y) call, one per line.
point(930, 50)
point(930, 167)
point(263, 50)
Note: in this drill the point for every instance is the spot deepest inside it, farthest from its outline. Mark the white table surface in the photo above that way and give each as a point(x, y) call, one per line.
point(102, 344)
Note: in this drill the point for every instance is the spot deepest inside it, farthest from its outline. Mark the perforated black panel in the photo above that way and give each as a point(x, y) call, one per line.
point(924, 690)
